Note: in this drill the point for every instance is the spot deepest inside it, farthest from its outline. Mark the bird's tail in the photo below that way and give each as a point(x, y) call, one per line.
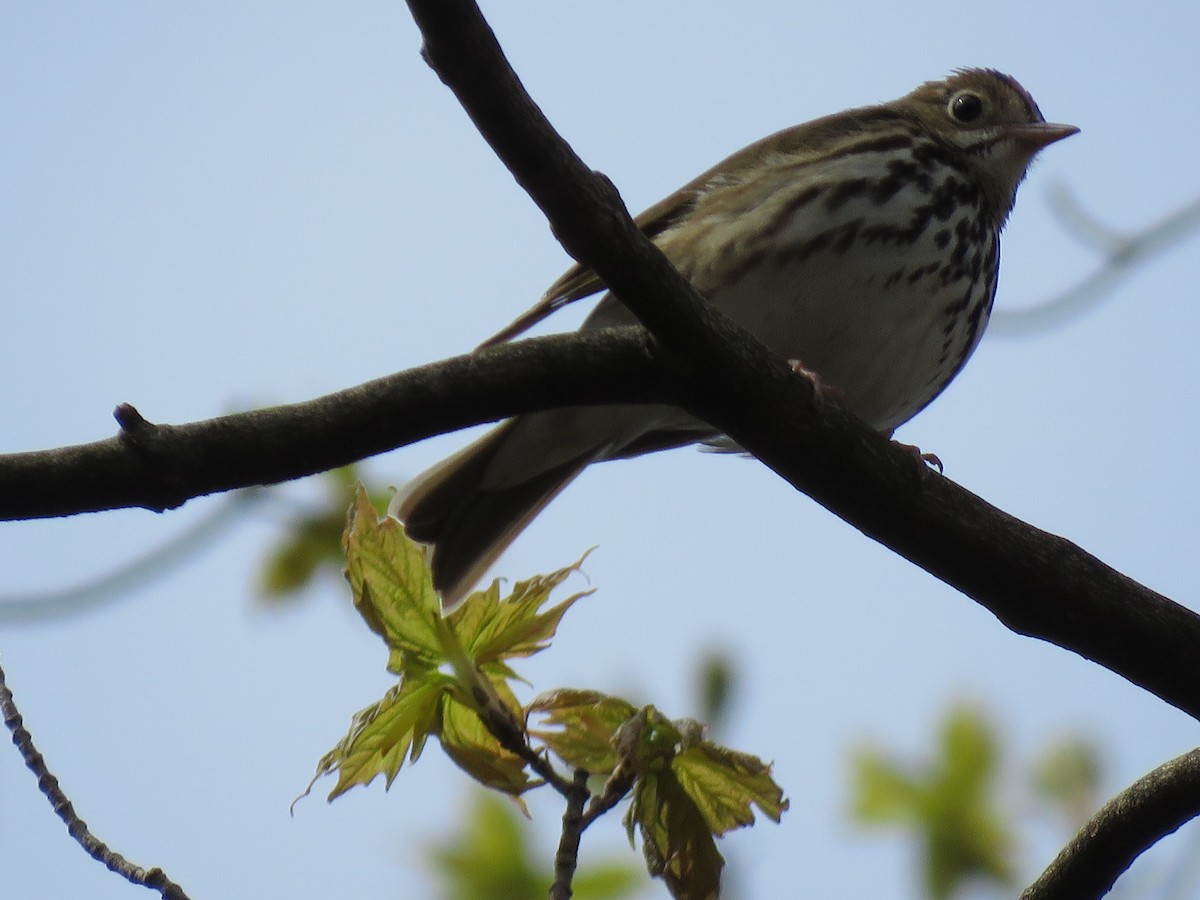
point(468, 522)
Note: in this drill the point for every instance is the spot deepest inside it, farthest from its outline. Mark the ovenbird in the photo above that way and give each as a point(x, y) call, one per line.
point(864, 245)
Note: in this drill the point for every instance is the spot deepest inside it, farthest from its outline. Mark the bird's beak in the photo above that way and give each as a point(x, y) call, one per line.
point(1037, 135)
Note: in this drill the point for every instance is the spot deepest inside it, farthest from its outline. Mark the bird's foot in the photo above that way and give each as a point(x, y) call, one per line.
point(821, 390)
point(923, 459)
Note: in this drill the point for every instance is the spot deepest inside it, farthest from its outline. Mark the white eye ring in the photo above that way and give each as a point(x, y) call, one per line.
point(965, 107)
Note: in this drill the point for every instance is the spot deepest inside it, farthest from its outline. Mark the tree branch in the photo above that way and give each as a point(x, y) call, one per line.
point(1122, 254)
point(566, 858)
point(583, 207)
point(155, 878)
point(56, 604)
point(161, 466)
point(1036, 583)
point(1124, 828)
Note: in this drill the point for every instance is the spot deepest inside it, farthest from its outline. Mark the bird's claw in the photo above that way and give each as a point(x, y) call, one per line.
point(821, 390)
point(923, 459)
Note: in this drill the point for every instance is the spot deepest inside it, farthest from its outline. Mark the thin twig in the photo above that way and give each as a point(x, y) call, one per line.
point(1080, 224)
point(566, 858)
point(504, 727)
point(627, 743)
point(54, 604)
point(1125, 827)
point(615, 790)
point(155, 878)
point(1122, 253)
point(540, 764)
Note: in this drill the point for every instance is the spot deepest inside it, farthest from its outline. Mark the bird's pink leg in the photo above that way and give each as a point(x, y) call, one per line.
point(923, 459)
point(820, 389)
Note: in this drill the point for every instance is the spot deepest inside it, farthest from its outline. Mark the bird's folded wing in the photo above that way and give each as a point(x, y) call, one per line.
point(580, 281)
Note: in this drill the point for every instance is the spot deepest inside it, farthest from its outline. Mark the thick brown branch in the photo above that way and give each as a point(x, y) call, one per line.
point(1124, 828)
point(161, 466)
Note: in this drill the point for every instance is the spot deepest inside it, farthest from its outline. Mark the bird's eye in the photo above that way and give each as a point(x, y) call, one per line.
point(966, 107)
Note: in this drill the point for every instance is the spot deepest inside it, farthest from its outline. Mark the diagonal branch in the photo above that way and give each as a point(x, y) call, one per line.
point(583, 208)
point(1036, 583)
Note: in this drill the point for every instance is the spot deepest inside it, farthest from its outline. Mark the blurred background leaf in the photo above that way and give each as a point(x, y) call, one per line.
point(950, 801)
point(491, 858)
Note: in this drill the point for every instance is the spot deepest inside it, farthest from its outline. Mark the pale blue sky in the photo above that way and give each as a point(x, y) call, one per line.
point(209, 206)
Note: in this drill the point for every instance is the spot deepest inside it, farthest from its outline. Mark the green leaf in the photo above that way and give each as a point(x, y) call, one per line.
point(716, 680)
point(479, 754)
point(605, 881)
point(688, 790)
point(1068, 774)
point(586, 723)
point(392, 590)
point(969, 752)
point(312, 541)
point(391, 587)
point(951, 801)
point(491, 858)
point(676, 841)
point(492, 629)
point(883, 794)
point(385, 733)
point(724, 784)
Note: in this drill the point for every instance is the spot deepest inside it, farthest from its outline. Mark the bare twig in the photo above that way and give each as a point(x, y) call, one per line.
point(615, 790)
point(626, 743)
point(1125, 827)
point(155, 878)
point(1085, 227)
point(506, 728)
point(37, 607)
point(1122, 254)
point(567, 856)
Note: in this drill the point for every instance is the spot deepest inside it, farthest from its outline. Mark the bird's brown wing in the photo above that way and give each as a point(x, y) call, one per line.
point(812, 137)
point(580, 281)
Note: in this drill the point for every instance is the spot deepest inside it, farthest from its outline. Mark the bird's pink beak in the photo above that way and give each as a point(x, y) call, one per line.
point(1037, 135)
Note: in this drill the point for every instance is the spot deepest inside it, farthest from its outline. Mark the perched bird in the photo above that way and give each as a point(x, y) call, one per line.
point(864, 245)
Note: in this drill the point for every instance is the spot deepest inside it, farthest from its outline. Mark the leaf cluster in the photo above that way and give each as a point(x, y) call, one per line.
point(455, 683)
